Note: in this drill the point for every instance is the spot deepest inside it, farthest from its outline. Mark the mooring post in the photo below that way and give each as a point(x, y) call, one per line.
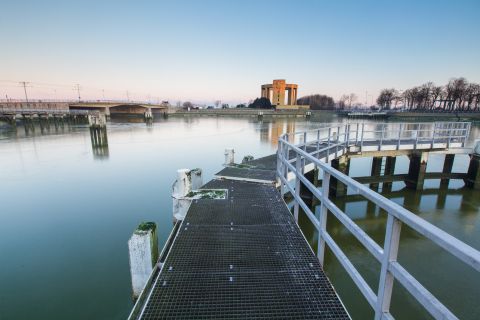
point(187, 180)
point(337, 188)
point(229, 156)
point(473, 175)
point(417, 170)
point(143, 255)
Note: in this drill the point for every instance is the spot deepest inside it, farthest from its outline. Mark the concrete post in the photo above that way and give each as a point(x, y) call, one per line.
point(197, 179)
point(447, 168)
point(417, 170)
point(375, 172)
point(342, 164)
point(143, 255)
point(229, 156)
point(473, 175)
point(181, 187)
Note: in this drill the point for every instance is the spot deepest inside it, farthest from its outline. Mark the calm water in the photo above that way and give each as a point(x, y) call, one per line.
point(66, 213)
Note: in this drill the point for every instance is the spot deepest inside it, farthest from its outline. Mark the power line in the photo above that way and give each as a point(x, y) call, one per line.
point(24, 84)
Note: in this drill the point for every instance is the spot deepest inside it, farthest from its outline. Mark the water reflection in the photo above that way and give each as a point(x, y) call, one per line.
point(76, 213)
point(454, 210)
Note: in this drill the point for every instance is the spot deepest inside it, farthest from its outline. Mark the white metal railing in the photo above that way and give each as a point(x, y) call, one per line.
point(48, 111)
point(293, 157)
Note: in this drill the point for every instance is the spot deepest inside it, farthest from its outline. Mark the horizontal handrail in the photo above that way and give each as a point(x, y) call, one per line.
point(391, 269)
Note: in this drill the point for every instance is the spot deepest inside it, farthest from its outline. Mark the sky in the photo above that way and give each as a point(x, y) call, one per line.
point(204, 51)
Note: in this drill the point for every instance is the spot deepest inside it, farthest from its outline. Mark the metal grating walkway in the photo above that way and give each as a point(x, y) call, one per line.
point(241, 258)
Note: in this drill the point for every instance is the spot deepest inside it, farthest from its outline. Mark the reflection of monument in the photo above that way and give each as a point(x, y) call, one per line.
point(277, 91)
point(275, 130)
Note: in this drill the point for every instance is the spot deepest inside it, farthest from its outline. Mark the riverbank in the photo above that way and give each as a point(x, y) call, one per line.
point(318, 114)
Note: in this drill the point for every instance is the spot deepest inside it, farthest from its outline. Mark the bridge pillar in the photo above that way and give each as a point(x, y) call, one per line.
point(447, 168)
point(376, 170)
point(417, 170)
point(148, 116)
point(98, 130)
point(342, 164)
point(389, 171)
point(143, 255)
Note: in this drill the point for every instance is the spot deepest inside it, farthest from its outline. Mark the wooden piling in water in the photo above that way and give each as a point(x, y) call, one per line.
point(337, 188)
point(376, 170)
point(389, 170)
point(447, 168)
point(417, 170)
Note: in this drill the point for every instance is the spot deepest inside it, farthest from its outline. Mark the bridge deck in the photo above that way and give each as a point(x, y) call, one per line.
point(242, 257)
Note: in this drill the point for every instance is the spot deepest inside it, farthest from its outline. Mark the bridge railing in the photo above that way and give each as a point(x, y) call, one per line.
point(392, 135)
point(292, 159)
point(46, 111)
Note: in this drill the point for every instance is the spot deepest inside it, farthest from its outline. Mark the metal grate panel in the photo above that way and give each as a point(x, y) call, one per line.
point(241, 258)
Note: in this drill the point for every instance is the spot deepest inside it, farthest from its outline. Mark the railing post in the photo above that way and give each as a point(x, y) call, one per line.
point(285, 167)
point(279, 163)
point(297, 185)
point(467, 133)
point(390, 252)
point(304, 160)
point(433, 134)
point(305, 141)
point(318, 144)
point(361, 139)
point(356, 134)
point(399, 136)
point(449, 132)
point(416, 138)
point(323, 218)
point(347, 135)
point(328, 146)
point(381, 137)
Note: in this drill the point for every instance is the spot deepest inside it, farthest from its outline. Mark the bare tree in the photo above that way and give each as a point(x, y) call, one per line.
point(352, 97)
point(218, 103)
point(187, 105)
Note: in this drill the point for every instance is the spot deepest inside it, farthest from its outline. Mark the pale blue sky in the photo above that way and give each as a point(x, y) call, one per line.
point(209, 50)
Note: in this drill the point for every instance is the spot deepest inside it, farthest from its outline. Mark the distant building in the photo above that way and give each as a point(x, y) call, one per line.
point(278, 91)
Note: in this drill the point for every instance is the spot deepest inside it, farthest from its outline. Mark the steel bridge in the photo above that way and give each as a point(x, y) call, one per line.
point(245, 256)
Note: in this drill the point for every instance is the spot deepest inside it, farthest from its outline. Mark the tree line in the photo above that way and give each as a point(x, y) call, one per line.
point(458, 94)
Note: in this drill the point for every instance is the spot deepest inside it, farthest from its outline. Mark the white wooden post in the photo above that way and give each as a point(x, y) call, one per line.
point(390, 252)
point(229, 156)
point(323, 218)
